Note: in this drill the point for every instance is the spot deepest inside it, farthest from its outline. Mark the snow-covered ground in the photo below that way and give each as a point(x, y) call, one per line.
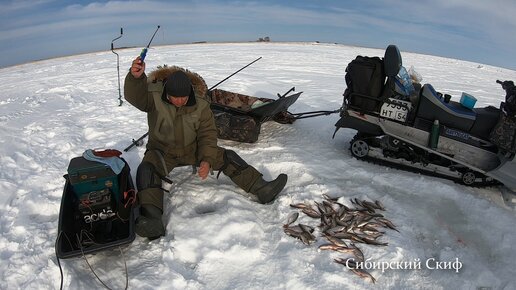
point(217, 237)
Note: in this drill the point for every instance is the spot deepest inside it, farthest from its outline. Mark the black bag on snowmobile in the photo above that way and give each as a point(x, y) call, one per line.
point(96, 209)
point(365, 79)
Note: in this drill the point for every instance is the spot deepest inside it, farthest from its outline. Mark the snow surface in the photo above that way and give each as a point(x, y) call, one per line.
point(217, 237)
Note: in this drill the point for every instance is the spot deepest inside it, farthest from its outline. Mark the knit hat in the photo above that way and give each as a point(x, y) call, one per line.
point(178, 84)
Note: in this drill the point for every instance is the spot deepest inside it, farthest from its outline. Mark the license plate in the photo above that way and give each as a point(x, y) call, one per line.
point(395, 110)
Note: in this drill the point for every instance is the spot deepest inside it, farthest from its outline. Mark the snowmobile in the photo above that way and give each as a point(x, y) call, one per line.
point(411, 126)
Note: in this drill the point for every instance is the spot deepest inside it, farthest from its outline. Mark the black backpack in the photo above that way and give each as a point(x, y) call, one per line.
point(365, 76)
point(365, 79)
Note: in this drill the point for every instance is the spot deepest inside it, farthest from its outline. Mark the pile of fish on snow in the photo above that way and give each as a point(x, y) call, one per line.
point(342, 227)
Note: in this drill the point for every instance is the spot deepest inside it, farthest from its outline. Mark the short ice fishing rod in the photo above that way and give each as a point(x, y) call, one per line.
point(143, 54)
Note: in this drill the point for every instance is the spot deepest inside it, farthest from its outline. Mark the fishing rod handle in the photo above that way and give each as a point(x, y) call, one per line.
point(143, 54)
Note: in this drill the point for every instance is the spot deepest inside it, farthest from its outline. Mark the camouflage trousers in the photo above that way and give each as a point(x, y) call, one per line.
point(503, 134)
point(243, 178)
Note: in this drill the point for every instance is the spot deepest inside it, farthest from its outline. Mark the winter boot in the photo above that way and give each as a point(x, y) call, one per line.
point(149, 223)
point(267, 191)
point(150, 197)
point(250, 179)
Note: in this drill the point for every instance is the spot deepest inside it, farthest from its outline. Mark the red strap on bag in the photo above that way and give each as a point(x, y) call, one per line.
point(107, 153)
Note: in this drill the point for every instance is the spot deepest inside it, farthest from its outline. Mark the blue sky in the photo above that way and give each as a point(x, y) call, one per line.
point(475, 30)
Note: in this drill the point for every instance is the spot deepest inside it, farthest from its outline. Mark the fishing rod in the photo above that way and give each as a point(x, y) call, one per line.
point(118, 64)
point(139, 142)
point(233, 74)
point(143, 54)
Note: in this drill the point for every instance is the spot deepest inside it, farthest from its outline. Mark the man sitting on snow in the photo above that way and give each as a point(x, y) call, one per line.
point(182, 132)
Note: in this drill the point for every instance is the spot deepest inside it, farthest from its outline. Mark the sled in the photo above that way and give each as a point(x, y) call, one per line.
point(77, 238)
point(422, 131)
point(239, 117)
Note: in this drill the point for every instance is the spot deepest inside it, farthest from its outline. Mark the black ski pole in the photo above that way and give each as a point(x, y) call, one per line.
point(143, 54)
point(136, 142)
point(233, 74)
point(118, 65)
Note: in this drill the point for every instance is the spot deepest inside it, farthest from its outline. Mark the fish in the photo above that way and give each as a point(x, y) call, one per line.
point(348, 236)
point(343, 210)
point(307, 228)
point(346, 218)
point(354, 201)
point(311, 212)
point(371, 207)
point(331, 247)
point(344, 227)
point(336, 229)
point(357, 252)
point(296, 228)
point(373, 242)
point(336, 248)
point(379, 205)
point(335, 241)
point(321, 208)
point(327, 197)
point(329, 206)
point(292, 217)
point(352, 267)
point(305, 237)
point(387, 223)
point(299, 205)
point(292, 232)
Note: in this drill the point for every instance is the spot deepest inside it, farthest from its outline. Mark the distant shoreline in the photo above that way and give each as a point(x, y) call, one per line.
point(246, 42)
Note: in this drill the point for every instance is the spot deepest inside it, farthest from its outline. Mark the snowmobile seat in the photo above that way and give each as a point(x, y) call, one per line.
point(485, 122)
point(392, 61)
point(432, 107)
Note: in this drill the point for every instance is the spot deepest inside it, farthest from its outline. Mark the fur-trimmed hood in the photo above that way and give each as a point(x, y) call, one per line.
point(162, 72)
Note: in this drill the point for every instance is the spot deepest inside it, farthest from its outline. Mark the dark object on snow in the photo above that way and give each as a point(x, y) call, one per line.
point(239, 117)
point(510, 98)
point(503, 134)
point(94, 222)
